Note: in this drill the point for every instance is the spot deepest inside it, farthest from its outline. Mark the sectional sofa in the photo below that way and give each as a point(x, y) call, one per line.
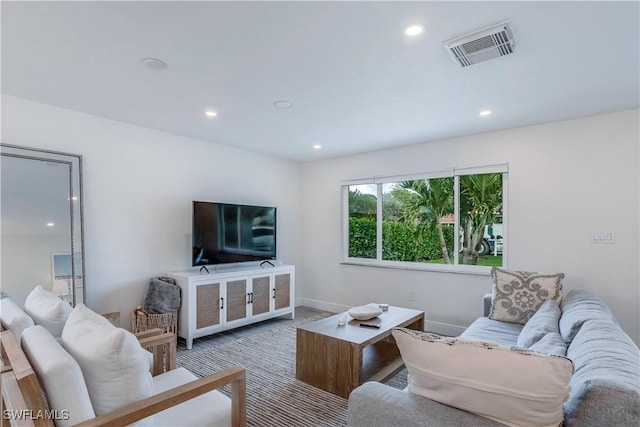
point(604, 385)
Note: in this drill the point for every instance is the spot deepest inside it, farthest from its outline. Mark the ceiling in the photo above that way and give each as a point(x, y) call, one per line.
point(355, 80)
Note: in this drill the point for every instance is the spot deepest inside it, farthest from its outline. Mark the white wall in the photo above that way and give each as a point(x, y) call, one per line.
point(565, 180)
point(138, 188)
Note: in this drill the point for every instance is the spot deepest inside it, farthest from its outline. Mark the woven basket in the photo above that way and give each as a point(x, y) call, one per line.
point(142, 321)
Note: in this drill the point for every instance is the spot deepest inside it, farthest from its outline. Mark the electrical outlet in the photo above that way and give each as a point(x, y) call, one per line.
point(412, 296)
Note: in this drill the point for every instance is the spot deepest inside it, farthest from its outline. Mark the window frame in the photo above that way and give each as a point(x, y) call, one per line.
point(456, 173)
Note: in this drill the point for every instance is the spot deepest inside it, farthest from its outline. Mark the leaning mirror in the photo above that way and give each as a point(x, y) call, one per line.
point(41, 228)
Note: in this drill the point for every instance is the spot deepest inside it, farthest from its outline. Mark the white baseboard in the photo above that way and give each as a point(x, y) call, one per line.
point(321, 305)
point(440, 328)
point(429, 325)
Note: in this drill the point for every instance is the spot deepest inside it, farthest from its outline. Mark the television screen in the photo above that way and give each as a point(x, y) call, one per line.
point(227, 233)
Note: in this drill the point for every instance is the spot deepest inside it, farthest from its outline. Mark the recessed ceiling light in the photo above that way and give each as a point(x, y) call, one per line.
point(50, 224)
point(210, 113)
point(155, 64)
point(283, 104)
point(317, 146)
point(413, 30)
point(485, 113)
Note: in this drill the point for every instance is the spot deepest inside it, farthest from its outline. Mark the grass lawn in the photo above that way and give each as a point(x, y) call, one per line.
point(486, 260)
point(490, 260)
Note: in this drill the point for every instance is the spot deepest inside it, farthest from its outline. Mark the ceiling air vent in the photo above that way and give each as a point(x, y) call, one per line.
point(482, 45)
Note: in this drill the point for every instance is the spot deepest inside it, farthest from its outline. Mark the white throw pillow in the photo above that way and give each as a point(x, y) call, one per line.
point(48, 310)
point(114, 365)
point(60, 376)
point(510, 385)
point(14, 318)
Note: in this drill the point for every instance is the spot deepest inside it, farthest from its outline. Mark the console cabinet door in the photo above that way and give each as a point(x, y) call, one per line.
point(260, 298)
point(237, 299)
point(208, 305)
point(282, 291)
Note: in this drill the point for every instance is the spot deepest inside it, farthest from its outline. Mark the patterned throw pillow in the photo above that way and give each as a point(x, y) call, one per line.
point(517, 295)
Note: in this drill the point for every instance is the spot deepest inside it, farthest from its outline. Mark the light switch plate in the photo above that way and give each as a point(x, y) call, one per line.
point(603, 236)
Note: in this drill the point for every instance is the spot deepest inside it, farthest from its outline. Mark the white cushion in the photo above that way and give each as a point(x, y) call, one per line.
point(47, 310)
point(544, 321)
point(14, 318)
point(210, 409)
point(510, 385)
point(60, 376)
point(365, 312)
point(115, 367)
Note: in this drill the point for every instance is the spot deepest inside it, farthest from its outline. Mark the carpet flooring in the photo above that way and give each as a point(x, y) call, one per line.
point(274, 396)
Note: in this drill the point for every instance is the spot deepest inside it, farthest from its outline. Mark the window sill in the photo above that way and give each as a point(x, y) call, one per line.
point(440, 268)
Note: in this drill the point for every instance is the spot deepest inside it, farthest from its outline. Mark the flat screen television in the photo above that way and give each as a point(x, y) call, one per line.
point(228, 233)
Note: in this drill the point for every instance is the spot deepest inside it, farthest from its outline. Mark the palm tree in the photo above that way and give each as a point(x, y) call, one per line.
point(431, 200)
point(480, 203)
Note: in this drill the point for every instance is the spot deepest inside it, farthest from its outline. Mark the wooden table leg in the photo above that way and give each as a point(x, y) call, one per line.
point(327, 363)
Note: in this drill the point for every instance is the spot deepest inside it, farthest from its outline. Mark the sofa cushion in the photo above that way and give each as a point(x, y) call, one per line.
point(377, 405)
point(578, 307)
point(485, 329)
point(605, 389)
point(210, 409)
point(508, 385)
point(13, 317)
point(60, 376)
point(551, 343)
point(517, 295)
point(47, 310)
point(114, 365)
point(544, 321)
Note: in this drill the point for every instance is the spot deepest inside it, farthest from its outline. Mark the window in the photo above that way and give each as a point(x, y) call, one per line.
point(449, 220)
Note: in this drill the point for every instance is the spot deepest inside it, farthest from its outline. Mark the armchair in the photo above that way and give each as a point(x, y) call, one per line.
point(27, 371)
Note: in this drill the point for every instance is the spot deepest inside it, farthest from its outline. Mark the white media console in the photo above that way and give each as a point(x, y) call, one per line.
point(226, 299)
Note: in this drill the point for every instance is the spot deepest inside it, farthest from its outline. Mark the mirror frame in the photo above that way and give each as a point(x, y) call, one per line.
point(74, 162)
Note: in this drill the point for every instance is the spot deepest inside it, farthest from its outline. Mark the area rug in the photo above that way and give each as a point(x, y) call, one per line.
point(274, 396)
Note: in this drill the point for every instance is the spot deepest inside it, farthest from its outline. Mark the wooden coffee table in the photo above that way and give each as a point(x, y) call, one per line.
point(340, 358)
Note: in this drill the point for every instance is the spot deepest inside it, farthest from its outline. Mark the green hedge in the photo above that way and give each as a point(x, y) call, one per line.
point(400, 242)
point(362, 238)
